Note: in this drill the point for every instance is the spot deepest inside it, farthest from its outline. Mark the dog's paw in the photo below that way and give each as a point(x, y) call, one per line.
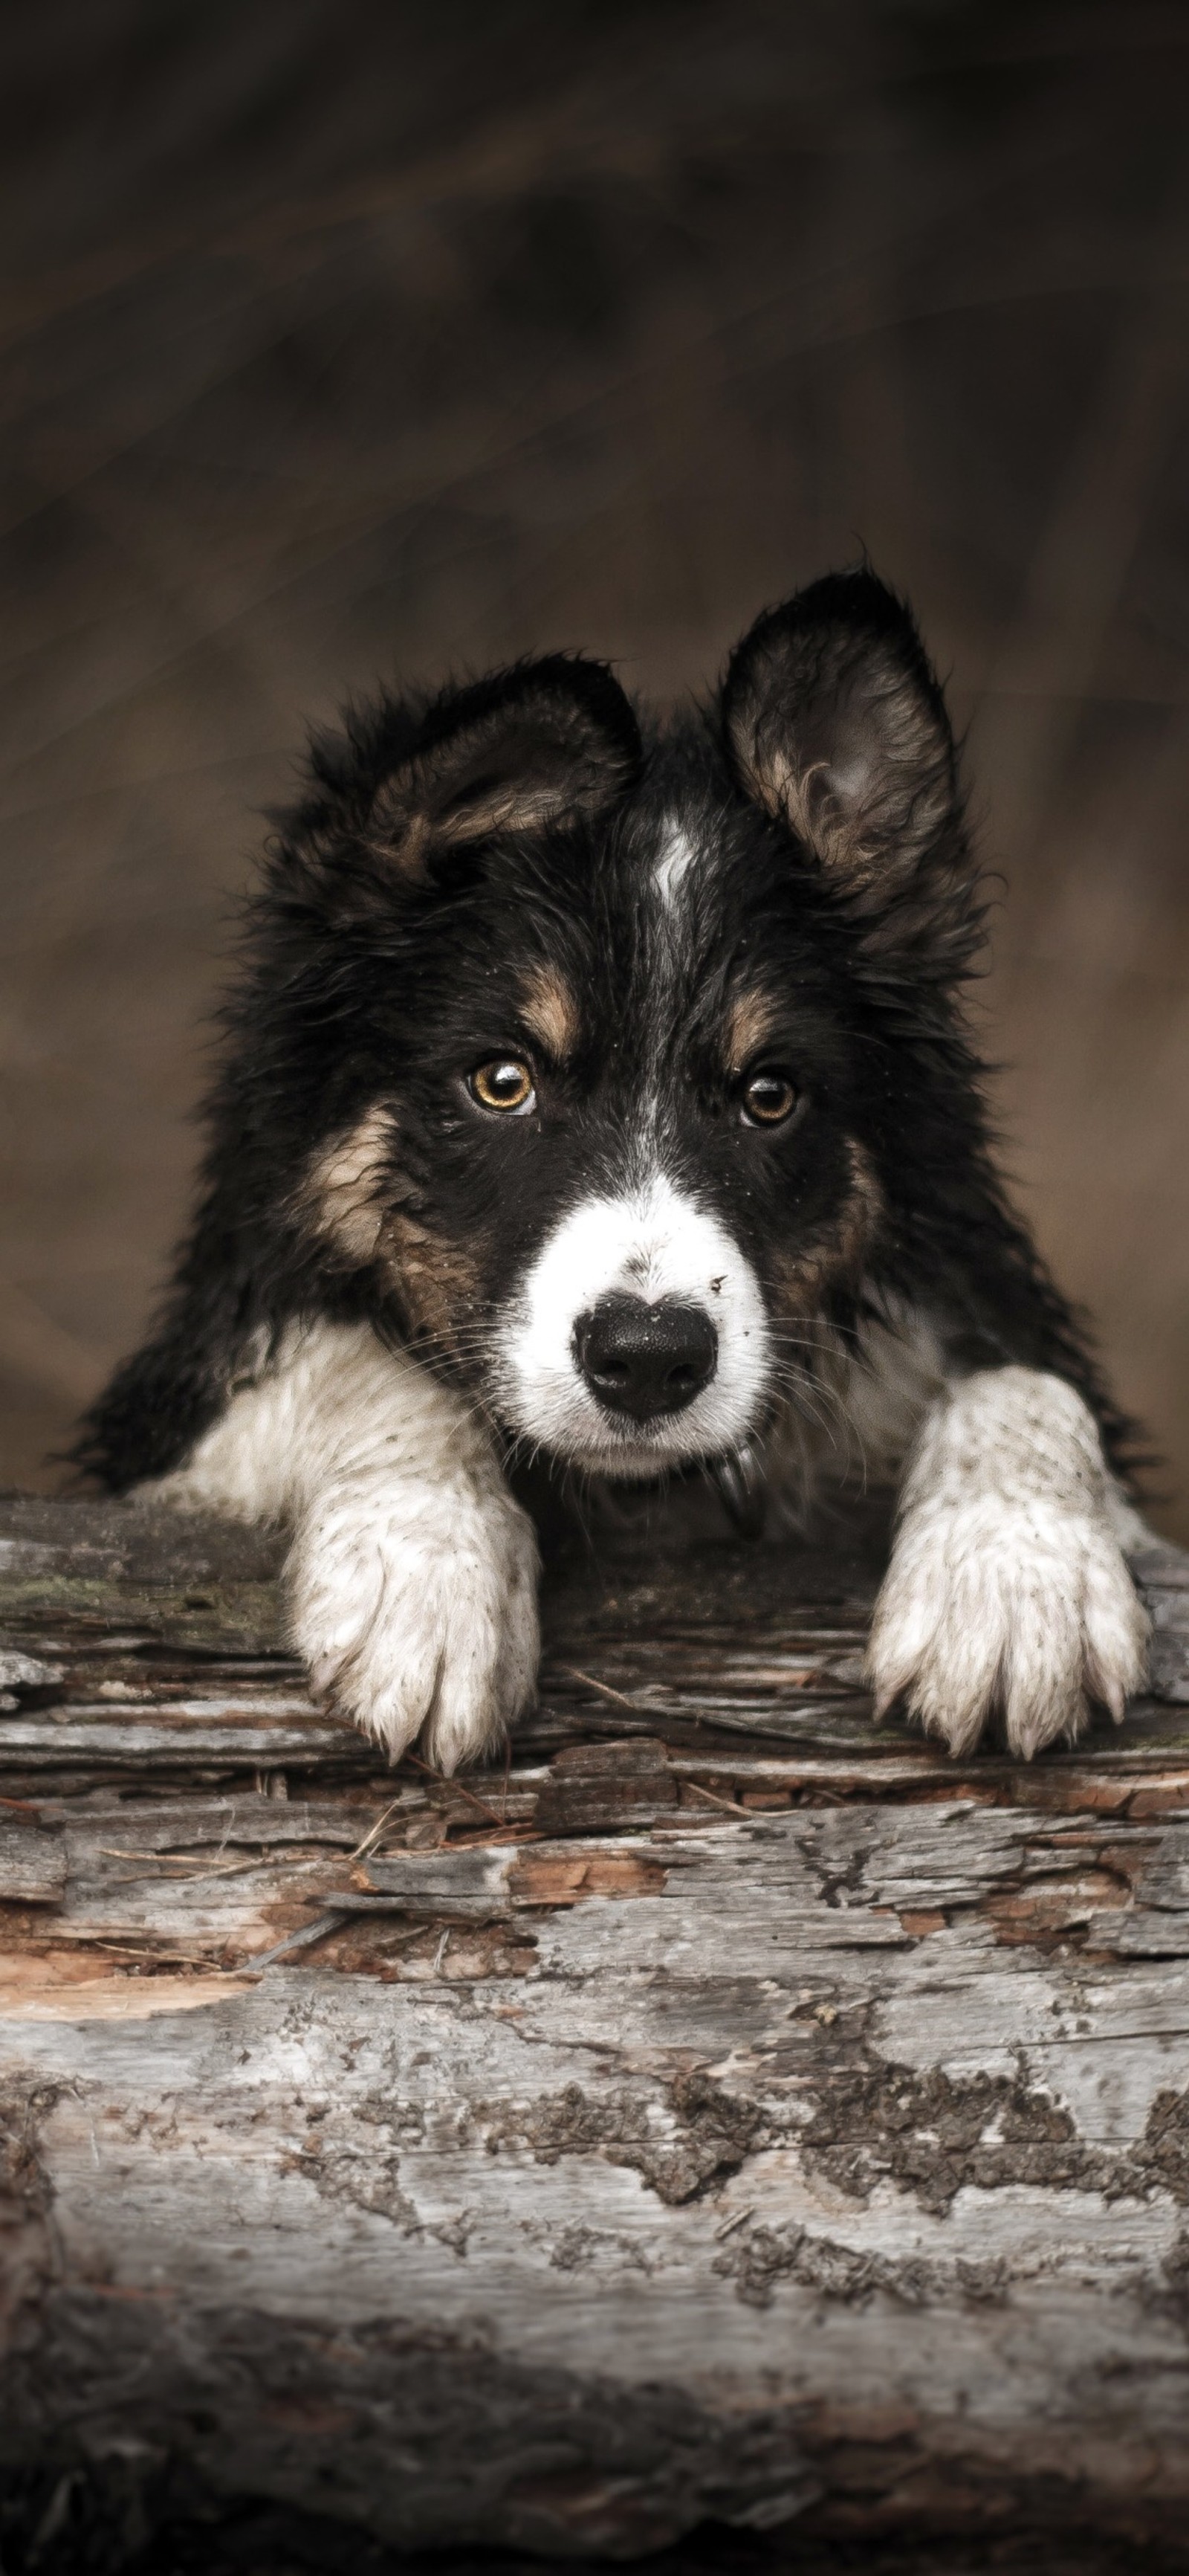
point(416, 1614)
point(988, 1606)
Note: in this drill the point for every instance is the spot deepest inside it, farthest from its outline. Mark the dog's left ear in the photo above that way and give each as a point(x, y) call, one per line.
point(834, 722)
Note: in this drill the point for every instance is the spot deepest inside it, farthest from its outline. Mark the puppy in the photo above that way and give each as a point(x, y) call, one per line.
point(602, 1089)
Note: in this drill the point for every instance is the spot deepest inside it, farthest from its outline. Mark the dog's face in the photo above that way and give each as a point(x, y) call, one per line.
point(615, 1147)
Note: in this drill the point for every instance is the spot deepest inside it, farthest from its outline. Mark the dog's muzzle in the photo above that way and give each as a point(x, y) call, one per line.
point(645, 1360)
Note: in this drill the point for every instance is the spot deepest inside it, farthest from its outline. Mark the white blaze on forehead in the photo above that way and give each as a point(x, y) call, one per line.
point(676, 857)
point(656, 1243)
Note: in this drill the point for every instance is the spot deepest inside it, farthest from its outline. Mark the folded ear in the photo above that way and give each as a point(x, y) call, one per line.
point(834, 722)
point(528, 748)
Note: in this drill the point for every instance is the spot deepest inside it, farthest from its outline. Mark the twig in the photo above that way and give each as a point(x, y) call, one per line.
point(475, 1837)
point(639, 1707)
point(310, 1932)
point(177, 1860)
point(371, 1839)
point(135, 1937)
point(731, 1805)
point(134, 1946)
point(457, 1786)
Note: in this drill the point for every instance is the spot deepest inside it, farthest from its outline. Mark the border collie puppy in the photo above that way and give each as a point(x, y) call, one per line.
point(603, 1091)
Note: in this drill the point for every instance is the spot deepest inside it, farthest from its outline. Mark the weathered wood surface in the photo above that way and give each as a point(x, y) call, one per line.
point(730, 2110)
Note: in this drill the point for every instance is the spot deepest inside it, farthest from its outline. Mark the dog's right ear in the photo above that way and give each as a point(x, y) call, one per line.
point(536, 746)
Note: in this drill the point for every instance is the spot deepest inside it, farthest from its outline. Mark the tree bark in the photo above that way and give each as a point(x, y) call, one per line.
point(728, 2111)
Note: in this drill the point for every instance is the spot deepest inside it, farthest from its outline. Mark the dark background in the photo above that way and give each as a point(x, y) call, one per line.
point(345, 339)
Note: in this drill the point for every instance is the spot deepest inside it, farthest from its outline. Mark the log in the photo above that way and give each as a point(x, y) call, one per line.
point(726, 2112)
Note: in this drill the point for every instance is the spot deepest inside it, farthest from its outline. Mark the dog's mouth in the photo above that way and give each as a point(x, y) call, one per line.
point(742, 1489)
point(630, 1449)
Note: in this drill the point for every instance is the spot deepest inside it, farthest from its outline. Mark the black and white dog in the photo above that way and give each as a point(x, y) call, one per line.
point(604, 1092)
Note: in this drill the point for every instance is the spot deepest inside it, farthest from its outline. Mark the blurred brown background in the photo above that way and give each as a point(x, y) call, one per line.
point(346, 338)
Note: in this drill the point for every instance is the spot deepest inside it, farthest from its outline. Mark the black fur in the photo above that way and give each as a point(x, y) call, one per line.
point(444, 846)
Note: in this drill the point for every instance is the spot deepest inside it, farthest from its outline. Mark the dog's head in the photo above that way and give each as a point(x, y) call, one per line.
point(598, 1035)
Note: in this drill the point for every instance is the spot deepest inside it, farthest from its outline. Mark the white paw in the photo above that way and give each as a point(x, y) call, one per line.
point(1027, 1608)
point(415, 1608)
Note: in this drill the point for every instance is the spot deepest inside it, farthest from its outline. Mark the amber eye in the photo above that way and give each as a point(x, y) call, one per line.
point(768, 1099)
point(505, 1082)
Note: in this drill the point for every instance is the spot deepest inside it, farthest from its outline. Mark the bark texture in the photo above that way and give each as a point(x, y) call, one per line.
point(731, 2111)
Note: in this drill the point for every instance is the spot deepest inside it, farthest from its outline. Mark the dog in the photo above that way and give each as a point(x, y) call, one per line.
point(600, 1088)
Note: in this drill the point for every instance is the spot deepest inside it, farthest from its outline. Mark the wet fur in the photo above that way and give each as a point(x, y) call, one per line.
point(521, 863)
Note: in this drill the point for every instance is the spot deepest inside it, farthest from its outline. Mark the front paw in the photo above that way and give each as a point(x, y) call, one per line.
point(1029, 1611)
point(417, 1615)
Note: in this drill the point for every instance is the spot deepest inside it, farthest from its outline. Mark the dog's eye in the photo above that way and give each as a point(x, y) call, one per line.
point(505, 1082)
point(768, 1098)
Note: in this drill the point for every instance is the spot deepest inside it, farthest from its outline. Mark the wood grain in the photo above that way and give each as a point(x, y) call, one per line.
point(729, 2110)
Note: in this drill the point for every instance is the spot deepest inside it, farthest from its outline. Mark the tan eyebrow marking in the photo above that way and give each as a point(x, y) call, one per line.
point(550, 1012)
point(754, 1019)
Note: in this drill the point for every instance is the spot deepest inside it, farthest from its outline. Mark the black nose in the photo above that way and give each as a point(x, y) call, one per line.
point(645, 1360)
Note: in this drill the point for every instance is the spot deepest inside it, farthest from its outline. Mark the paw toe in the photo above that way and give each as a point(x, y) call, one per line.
point(964, 1627)
point(1116, 1638)
point(411, 1639)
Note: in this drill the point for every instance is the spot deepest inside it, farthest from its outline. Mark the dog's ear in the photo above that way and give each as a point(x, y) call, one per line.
point(834, 722)
point(532, 747)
